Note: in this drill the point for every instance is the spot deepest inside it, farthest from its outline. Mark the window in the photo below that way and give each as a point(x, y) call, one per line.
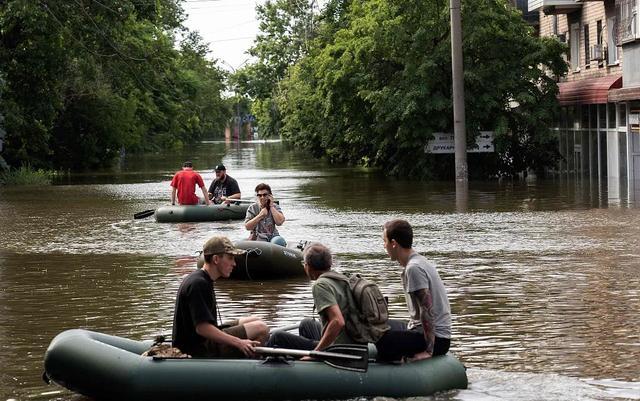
point(599, 42)
point(554, 23)
point(611, 111)
point(599, 32)
point(587, 57)
point(612, 41)
point(602, 112)
point(627, 12)
point(622, 115)
point(575, 47)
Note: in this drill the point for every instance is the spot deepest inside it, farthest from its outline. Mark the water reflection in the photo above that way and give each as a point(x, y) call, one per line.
point(542, 275)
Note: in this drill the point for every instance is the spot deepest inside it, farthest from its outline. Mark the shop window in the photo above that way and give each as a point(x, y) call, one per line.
point(622, 146)
point(611, 110)
point(584, 121)
point(622, 115)
point(602, 112)
point(603, 154)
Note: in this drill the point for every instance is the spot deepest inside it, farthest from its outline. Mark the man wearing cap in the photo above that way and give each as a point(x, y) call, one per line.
point(196, 328)
point(184, 184)
point(223, 187)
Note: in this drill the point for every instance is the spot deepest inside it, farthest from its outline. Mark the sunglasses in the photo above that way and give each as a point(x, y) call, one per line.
point(262, 195)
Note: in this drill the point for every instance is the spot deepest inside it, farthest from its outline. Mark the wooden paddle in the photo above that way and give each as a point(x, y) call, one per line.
point(353, 357)
point(143, 214)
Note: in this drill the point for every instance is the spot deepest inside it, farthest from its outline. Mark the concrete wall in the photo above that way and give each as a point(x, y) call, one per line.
point(631, 67)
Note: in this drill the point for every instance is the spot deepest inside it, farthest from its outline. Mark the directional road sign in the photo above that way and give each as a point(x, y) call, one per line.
point(443, 142)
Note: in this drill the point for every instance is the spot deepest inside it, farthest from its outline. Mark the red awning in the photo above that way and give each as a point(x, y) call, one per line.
point(588, 91)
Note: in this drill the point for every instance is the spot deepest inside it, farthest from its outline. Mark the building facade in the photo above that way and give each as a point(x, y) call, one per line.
point(598, 131)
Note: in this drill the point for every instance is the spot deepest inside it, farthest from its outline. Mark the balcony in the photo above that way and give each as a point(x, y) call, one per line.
point(555, 6)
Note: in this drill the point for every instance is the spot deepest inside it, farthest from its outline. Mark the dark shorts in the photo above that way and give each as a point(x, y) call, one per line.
point(217, 350)
point(400, 342)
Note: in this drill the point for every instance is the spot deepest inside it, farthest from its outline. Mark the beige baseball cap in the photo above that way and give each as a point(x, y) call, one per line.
point(217, 245)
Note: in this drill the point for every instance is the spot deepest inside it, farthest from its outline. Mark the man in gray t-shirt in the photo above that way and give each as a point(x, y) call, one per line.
point(263, 216)
point(426, 297)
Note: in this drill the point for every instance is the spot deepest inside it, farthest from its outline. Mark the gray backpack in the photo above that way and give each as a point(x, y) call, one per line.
point(372, 308)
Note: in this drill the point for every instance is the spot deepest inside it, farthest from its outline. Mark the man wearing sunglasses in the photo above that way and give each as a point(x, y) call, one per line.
point(263, 216)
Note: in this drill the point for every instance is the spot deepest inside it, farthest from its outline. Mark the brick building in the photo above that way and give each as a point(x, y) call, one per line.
point(600, 96)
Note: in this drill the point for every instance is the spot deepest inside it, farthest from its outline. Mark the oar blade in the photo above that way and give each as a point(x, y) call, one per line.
point(142, 215)
point(353, 357)
point(335, 355)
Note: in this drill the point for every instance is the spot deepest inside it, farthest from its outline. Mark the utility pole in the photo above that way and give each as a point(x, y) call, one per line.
point(459, 131)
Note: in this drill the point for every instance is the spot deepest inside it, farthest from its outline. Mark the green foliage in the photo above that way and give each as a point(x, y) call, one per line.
point(288, 28)
point(86, 79)
point(377, 85)
point(26, 175)
point(3, 164)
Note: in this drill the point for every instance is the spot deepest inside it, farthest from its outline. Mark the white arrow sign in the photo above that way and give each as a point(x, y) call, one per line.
point(443, 142)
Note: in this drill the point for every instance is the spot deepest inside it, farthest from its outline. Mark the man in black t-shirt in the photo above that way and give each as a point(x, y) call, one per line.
point(196, 328)
point(224, 187)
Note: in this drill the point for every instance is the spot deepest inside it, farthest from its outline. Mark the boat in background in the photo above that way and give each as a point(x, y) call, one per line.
point(266, 261)
point(199, 213)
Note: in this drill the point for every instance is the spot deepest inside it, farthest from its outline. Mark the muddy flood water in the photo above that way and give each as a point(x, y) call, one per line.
point(543, 276)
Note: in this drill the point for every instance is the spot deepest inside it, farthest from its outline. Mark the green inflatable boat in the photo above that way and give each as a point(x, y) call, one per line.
point(196, 213)
point(107, 367)
point(265, 261)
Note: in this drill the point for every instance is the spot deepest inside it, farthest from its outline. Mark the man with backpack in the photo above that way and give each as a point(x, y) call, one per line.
point(342, 317)
point(426, 296)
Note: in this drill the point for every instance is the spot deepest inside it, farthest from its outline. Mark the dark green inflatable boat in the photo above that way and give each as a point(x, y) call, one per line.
point(106, 367)
point(196, 213)
point(265, 261)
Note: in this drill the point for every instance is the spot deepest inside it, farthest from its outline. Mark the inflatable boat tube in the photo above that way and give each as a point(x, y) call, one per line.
point(265, 261)
point(198, 213)
point(106, 367)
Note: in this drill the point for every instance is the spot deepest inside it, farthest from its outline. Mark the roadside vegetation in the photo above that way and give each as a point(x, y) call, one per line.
point(26, 175)
point(369, 81)
point(85, 81)
point(366, 82)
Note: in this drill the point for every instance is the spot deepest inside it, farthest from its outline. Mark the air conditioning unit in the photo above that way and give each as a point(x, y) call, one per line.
point(562, 38)
point(597, 52)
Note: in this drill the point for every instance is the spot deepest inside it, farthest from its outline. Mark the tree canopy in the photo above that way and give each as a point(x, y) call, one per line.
point(86, 79)
point(374, 83)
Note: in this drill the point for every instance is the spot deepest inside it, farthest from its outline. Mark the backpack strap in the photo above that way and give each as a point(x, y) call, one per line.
point(332, 274)
point(335, 275)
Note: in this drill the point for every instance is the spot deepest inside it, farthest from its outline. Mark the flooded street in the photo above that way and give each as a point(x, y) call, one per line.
point(543, 276)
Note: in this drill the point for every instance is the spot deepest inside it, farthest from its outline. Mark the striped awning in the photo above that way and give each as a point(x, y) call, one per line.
point(588, 91)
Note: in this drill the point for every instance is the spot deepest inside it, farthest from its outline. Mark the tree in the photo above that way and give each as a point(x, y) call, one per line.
point(88, 78)
point(287, 29)
point(377, 91)
point(3, 164)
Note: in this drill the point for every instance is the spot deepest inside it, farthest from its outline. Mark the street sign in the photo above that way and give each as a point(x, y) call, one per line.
point(443, 142)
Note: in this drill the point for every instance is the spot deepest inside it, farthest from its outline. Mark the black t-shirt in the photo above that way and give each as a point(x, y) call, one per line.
point(226, 188)
point(195, 303)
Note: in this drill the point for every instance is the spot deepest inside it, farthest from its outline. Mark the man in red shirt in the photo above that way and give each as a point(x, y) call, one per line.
point(184, 183)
